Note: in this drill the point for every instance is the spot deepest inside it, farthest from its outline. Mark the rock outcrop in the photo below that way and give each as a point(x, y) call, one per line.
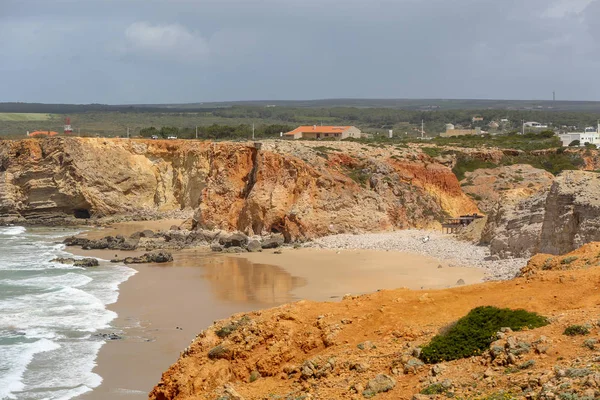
point(556, 219)
point(299, 189)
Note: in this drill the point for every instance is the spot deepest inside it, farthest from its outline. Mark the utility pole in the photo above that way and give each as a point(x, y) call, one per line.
point(127, 132)
point(252, 131)
point(422, 130)
point(196, 132)
point(523, 127)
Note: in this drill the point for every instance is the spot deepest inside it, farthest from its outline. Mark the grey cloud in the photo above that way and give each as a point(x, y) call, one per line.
point(184, 51)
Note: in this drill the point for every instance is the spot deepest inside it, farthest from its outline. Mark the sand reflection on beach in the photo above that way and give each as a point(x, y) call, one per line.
point(239, 280)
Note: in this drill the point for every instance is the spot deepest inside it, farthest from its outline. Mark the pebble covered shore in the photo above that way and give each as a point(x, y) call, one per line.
point(450, 251)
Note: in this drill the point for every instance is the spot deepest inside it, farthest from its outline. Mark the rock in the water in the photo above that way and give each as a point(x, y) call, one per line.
point(108, 336)
point(234, 240)
point(254, 246)
point(84, 262)
point(381, 383)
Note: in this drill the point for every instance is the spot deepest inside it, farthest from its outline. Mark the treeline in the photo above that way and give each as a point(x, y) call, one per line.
point(216, 131)
point(386, 118)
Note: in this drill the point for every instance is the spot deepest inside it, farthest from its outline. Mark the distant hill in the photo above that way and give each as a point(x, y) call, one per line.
point(401, 104)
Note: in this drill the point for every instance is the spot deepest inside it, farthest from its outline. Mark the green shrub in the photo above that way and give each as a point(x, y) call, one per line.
point(474, 332)
point(436, 388)
point(576, 330)
point(467, 164)
point(568, 260)
point(227, 330)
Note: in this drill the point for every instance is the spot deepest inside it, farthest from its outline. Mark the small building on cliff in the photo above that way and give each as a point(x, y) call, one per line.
point(323, 132)
point(452, 131)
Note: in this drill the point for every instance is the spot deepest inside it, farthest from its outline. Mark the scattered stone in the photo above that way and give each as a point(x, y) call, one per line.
point(381, 383)
point(232, 394)
point(413, 366)
point(359, 367)
point(438, 369)
point(368, 345)
point(216, 247)
point(460, 282)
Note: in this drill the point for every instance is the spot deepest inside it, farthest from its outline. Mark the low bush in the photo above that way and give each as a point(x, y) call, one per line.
point(435, 388)
point(576, 330)
point(474, 332)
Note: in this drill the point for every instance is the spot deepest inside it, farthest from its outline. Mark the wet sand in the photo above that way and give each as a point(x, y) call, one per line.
point(199, 287)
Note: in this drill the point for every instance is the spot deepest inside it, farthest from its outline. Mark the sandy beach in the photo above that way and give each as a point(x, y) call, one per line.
point(163, 307)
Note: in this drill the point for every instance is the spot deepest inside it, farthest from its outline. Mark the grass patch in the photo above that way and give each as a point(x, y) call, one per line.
point(431, 151)
point(24, 117)
point(576, 330)
point(474, 332)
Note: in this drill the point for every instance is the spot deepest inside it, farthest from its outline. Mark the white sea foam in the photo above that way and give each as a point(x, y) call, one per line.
point(14, 361)
point(12, 230)
point(45, 305)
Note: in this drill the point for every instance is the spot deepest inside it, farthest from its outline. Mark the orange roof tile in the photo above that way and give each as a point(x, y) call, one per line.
point(40, 133)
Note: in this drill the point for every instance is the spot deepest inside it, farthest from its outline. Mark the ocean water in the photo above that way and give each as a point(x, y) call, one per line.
point(49, 313)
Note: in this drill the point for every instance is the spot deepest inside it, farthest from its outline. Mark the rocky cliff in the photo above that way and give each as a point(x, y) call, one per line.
point(300, 189)
point(548, 215)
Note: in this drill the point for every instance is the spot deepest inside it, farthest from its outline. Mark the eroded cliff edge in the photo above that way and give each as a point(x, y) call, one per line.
point(300, 189)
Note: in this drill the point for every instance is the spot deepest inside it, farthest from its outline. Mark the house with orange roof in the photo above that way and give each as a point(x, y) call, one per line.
point(323, 132)
point(42, 134)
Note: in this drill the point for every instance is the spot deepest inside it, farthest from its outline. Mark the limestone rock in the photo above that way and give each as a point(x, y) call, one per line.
point(254, 246)
point(381, 383)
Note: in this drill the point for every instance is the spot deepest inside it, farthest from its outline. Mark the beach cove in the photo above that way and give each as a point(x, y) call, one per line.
point(162, 307)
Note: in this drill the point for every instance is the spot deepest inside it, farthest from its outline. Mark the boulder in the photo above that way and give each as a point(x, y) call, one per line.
point(273, 242)
point(158, 257)
point(216, 247)
point(84, 262)
point(75, 241)
point(381, 383)
point(234, 240)
point(254, 246)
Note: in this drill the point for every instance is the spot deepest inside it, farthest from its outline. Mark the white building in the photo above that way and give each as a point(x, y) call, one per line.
point(533, 124)
point(590, 135)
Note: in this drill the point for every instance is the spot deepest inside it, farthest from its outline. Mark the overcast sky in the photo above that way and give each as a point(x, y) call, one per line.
point(166, 51)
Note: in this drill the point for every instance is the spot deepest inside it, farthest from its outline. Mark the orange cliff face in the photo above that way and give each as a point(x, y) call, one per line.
point(301, 189)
